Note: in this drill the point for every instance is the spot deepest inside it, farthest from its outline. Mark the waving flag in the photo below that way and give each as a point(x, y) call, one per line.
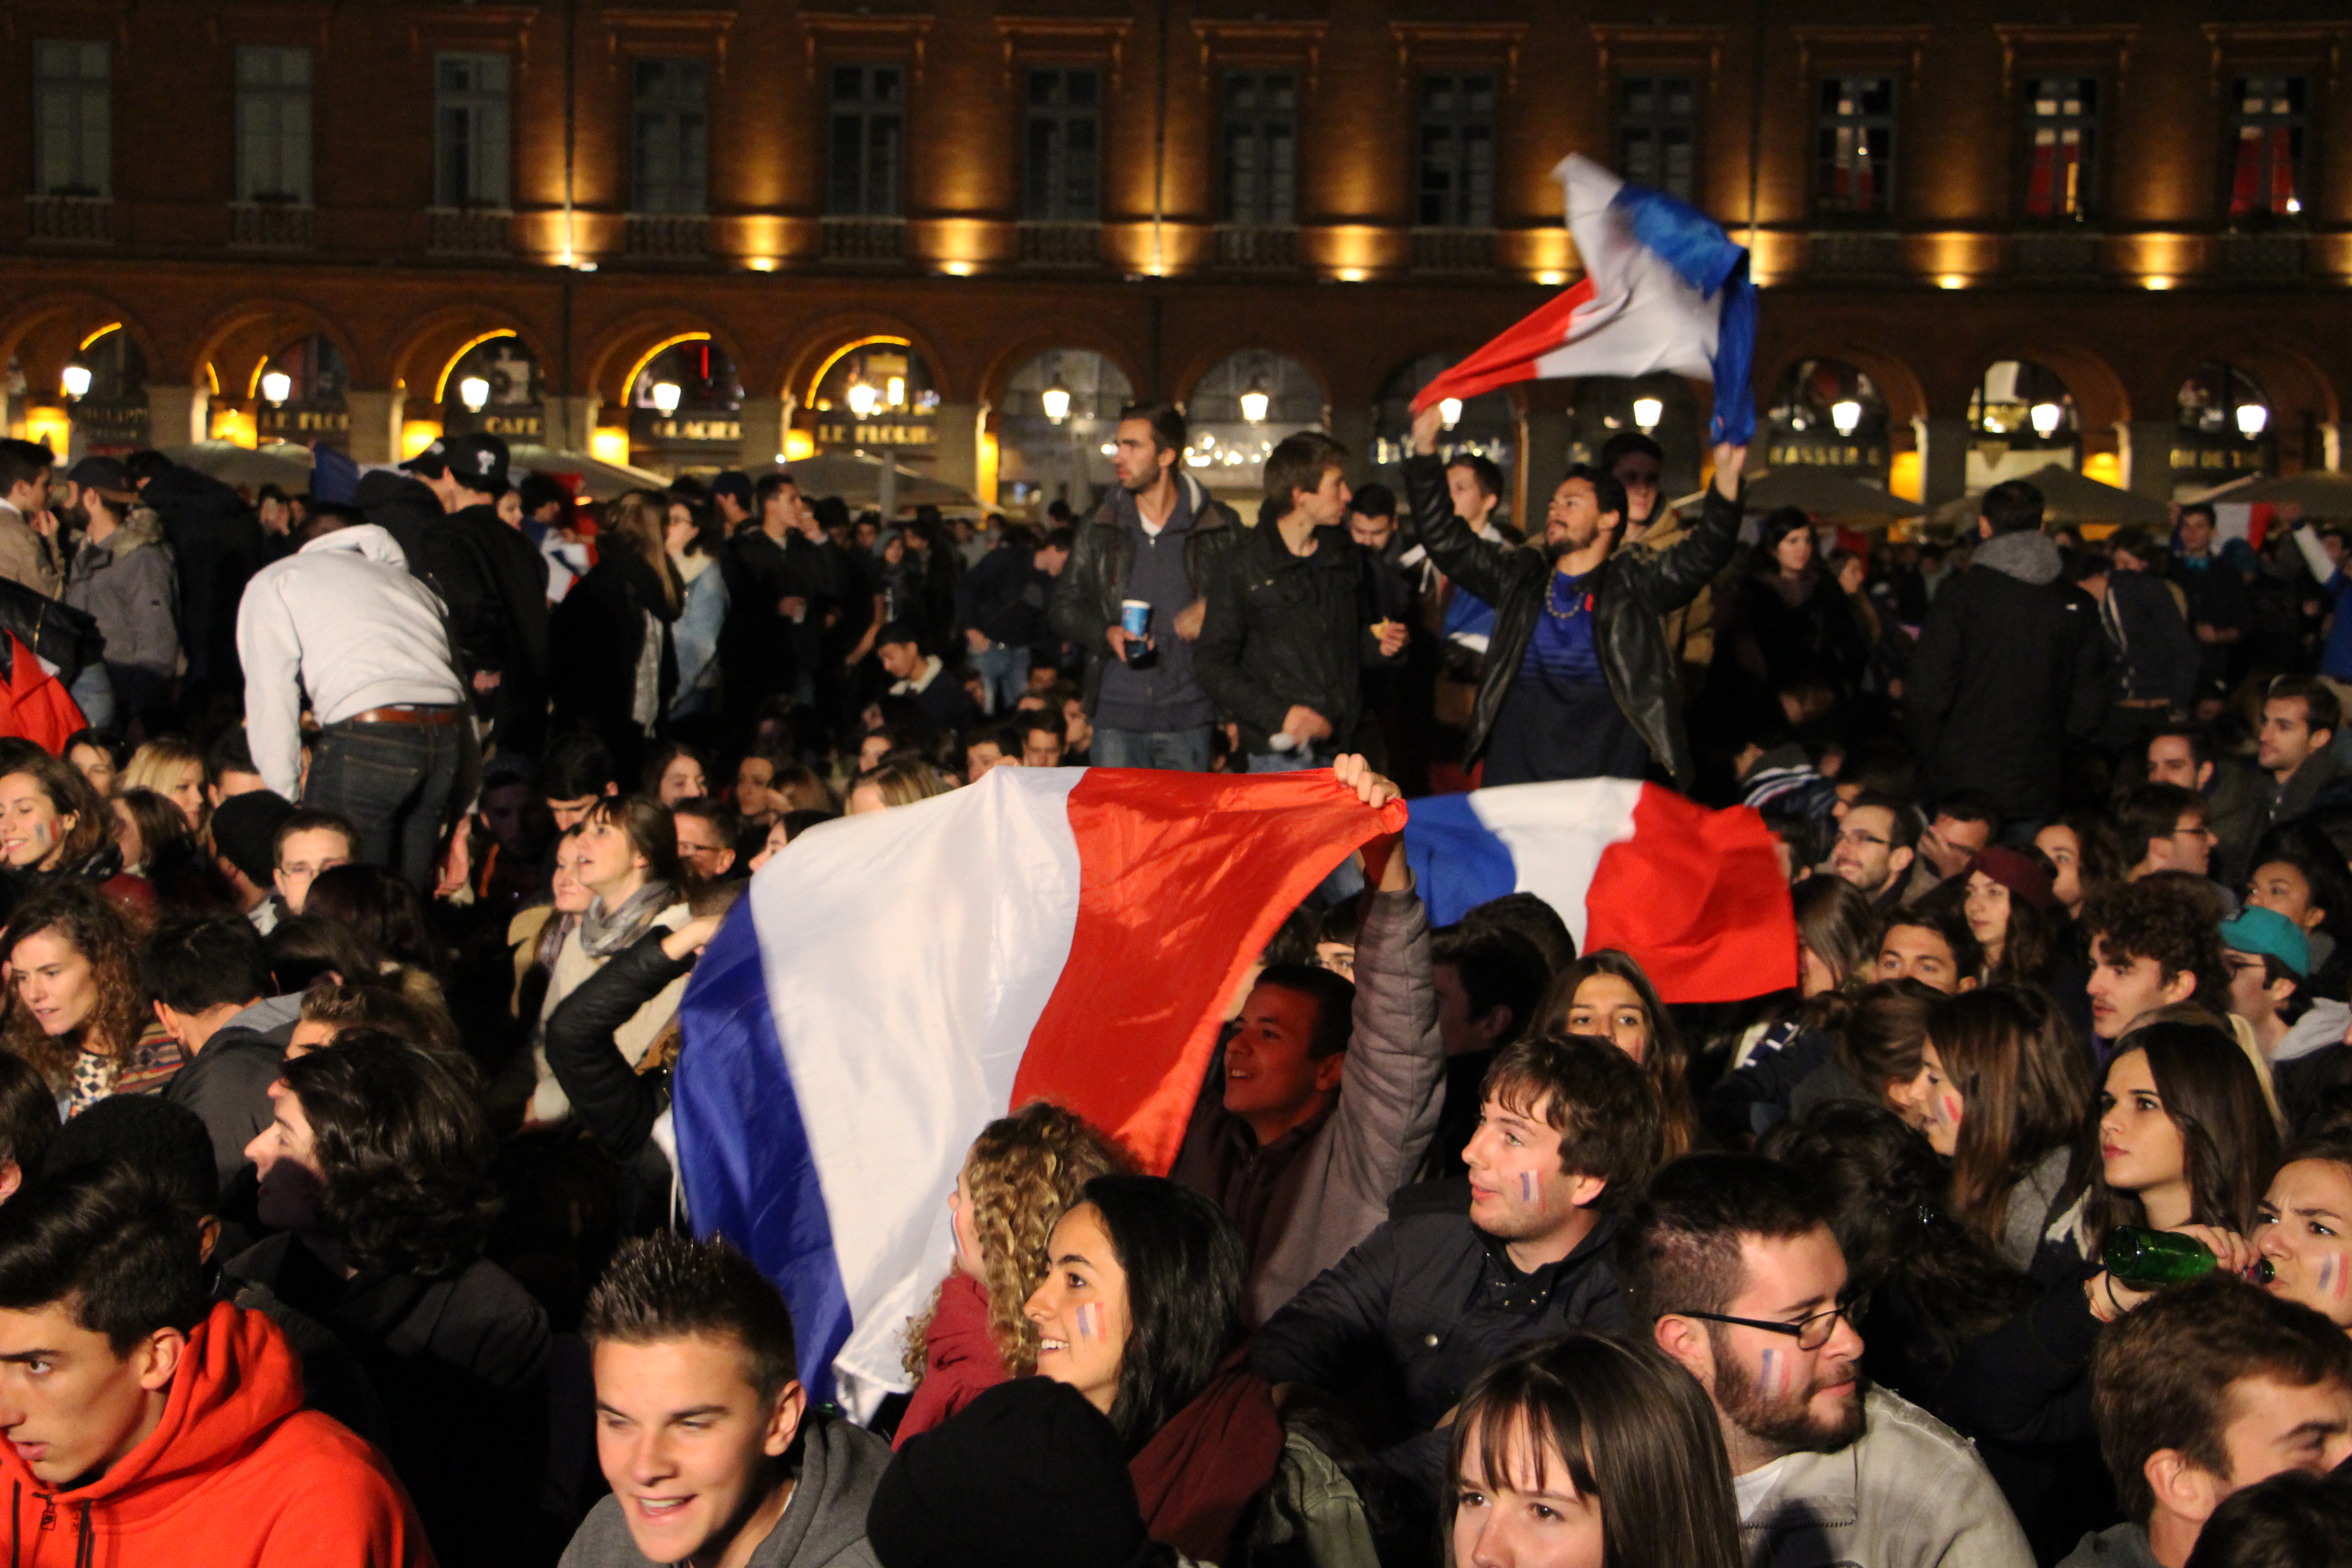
point(1695, 895)
point(892, 982)
point(1663, 289)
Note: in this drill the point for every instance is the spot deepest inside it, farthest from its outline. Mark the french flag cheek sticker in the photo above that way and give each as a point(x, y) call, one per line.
point(1090, 1321)
point(1778, 1368)
point(1527, 1186)
point(2335, 1278)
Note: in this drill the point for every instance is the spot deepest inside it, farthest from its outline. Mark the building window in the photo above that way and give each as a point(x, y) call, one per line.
point(1657, 132)
point(2266, 127)
point(2062, 115)
point(470, 140)
point(1065, 135)
point(273, 124)
point(1261, 130)
point(70, 124)
point(869, 127)
point(1856, 146)
point(673, 137)
point(1457, 151)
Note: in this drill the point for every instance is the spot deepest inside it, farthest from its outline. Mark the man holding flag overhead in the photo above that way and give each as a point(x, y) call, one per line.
point(1578, 681)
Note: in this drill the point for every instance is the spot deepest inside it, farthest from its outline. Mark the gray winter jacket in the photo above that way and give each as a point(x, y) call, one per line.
point(129, 586)
point(1909, 1493)
point(823, 1524)
point(1334, 1191)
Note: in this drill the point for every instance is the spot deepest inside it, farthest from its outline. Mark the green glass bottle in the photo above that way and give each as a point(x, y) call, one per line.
point(2139, 1257)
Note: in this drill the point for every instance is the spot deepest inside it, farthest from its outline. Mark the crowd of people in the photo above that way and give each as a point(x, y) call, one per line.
point(344, 946)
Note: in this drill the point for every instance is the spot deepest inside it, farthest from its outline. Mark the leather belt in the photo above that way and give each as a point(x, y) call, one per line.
point(404, 716)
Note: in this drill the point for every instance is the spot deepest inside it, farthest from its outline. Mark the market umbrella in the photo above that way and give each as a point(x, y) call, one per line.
point(599, 480)
point(2069, 497)
point(857, 479)
point(2320, 492)
point(1825, 494)
point(286, 465)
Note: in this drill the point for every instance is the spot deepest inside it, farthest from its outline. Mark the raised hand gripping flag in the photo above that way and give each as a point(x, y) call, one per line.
point(891, 983)
point(1694, 895)
point(1663, 289)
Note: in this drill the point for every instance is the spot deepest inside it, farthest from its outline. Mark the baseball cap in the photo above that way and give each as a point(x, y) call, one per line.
point(432, 460)
point(478, 462)
point(107, 476)
point(2270, 934)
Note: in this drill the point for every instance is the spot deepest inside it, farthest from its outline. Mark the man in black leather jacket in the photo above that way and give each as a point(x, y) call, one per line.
point(1578, 680)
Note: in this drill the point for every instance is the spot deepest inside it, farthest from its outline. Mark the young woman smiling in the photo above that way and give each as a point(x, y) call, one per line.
point(1141, 1312)
point(75, 1009)
point(1605, 994)
point(54, 827)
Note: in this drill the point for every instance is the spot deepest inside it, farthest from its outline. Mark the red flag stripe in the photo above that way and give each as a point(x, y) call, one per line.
point(1696, 896)
point(1511, 356)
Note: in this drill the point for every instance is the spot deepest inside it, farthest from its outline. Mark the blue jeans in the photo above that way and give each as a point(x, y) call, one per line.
point(1347, 878)
point(1175, 750)
point(1004, 675)
point(393, 782)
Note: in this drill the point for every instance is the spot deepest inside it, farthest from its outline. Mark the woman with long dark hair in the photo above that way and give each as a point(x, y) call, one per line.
point(2185, 1134)
point(614, 666)
point(1141, 1312)
point(1607, 995)
point(2004, 1086)
point(54, 827)
point(696, 537)
point(2083, 858)
point(1836, 935)
point(1585, 1450)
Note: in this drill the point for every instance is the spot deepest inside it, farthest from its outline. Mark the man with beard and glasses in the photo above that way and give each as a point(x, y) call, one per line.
point(1730, 1259)
point(1578, 680)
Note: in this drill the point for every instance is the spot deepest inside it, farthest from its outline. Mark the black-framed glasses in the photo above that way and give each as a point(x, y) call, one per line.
point(1857, 837)
point(1810, 1334)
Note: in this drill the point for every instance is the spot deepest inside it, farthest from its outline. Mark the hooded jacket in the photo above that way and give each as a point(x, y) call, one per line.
point(342, 620)
point(1086, 595)
point(129, 586)
point(2011, 663)
point(1637, 587)
point(237, 1474)
point(823, 1524)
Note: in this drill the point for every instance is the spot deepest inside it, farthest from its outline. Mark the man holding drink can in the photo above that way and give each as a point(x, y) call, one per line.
point(1132, 598)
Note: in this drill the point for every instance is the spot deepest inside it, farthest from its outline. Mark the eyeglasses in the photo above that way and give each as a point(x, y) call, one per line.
point(1810, 1334)
point(1857, 838)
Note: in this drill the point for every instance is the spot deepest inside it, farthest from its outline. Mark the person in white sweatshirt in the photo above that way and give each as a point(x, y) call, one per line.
point(342, 624)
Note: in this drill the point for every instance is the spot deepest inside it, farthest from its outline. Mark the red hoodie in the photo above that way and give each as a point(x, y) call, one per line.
point(959, 1358)
point(237, 1474)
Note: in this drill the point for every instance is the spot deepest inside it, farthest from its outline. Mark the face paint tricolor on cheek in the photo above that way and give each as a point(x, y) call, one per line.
point(1090, 1319)
point(1527, 1186)
point(1951, 1109)
point(1778, 1367)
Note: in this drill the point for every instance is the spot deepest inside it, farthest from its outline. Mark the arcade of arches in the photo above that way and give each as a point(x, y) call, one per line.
point(1006, 388)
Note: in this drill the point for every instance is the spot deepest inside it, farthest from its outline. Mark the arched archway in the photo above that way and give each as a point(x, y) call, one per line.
point(2021, 416)
point(1238, 409)
point(1831, 414)
point(1057, 422)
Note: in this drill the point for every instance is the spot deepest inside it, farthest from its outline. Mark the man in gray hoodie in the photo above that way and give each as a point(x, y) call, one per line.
point(703, 1428)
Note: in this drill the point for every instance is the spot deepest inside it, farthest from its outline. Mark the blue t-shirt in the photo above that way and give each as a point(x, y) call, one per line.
point(1559, 720)
point(1562, 650)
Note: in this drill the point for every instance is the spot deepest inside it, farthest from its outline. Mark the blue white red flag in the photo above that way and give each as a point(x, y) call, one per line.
point(1663, 289)
point(892, 982)
point(1696, 896)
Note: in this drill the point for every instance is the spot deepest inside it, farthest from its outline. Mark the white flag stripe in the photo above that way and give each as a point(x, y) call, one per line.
point(1556, 833)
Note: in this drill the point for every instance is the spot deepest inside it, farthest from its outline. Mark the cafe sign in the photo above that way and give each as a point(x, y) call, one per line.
point(875, 394)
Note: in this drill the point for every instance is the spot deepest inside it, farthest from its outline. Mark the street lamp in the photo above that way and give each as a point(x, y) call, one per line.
point(1647, 412)
point(2253, 419)
point(75, 381)
point(1056, 400)
point(667, 397)
point(474, 392)
point(1254, 403)
point(1845, 415)
point(276, 386)
point(862, 398)
point(2045, 417)
point(1449, 412)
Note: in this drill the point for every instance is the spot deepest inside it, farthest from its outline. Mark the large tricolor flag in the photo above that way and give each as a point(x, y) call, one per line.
point(1665, 288)
point(1695, 895)
point(892, 982)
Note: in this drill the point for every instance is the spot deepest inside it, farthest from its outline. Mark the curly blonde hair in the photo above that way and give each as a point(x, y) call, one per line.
point(1023, 1172)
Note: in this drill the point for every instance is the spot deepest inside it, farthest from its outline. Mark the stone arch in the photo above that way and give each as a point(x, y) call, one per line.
point(424, 354)
point(622, 345)
point(815, 347)
point(236, 341)
point(43, 334)
point(1002, 366)
point(1906, 397)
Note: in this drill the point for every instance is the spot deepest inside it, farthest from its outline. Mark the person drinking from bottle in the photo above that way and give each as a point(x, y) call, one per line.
point(1294, 617)
point(2303, 1230)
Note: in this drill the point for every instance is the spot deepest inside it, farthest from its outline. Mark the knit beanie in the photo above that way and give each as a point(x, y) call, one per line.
point(244, 828)
point(1029, 1475)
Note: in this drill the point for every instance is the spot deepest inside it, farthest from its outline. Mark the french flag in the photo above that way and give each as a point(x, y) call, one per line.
point(1694, 895)
point(893, 982)
point(1663, 289)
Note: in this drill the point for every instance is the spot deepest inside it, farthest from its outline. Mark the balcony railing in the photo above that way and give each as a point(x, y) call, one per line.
point(669, 236)
point(2068, 253)
point(1260, 246)
point(1053, 244)
point(470, 231)
point(269, 225)
point(2277, 256)
point(70, 220)
point(865, 239)
point(1857, 253)
point(1454, 250)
